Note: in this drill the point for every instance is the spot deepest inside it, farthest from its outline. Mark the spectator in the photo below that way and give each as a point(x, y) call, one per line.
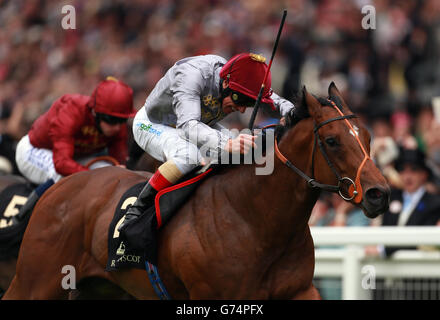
point(432, 141)
point(402, 130)
point(10, 133)
point(332, 210)
point(413, 205)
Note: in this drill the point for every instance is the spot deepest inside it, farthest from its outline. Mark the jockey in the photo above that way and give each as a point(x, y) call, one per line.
point(181, 113)
point(75, 129)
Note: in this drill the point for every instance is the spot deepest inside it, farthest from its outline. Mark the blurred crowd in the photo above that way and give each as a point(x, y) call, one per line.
point(388, 75)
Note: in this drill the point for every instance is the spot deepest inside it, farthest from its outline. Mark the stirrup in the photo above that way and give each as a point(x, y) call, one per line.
point(140, 205)
point(133, 213)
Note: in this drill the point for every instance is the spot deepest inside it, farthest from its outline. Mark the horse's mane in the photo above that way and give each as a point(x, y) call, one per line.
point(300, 111)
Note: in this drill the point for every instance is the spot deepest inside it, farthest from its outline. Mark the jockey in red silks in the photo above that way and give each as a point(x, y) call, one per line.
point(74, 130)
point(181, 113)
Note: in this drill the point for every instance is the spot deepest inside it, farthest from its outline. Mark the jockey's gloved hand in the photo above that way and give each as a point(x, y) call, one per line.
point(243, 143)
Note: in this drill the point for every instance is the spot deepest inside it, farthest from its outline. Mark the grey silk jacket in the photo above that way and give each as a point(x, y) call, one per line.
point(188, 98)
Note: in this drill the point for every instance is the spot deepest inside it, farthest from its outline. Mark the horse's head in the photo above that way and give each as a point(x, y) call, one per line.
point(340, 159)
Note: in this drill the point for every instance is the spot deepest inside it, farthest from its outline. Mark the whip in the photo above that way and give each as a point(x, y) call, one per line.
point(257, 102)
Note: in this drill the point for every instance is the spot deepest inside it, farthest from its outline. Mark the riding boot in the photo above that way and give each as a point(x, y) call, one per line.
point(145, 198)
point(166, 175)
point(31, 201)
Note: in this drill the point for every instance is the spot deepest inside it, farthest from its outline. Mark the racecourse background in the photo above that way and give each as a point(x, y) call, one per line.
point(388, 74)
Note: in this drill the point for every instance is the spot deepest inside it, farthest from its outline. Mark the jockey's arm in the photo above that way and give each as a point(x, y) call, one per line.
point(282, 105)
point(63, 151)
point(203, 135)
point(186, 90)
point(61, 132)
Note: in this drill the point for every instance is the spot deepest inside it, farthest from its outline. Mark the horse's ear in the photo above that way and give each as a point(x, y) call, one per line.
point(333, 91)
point(312, 104)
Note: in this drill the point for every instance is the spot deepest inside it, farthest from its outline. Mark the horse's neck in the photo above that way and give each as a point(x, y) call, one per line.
point(280, 203)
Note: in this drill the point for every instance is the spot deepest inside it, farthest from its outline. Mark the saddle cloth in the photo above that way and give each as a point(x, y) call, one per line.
point(138, 242)
point(11, 200)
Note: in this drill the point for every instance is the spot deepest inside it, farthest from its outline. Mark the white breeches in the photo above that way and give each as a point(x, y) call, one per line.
point(164, 143)
point(37, 165)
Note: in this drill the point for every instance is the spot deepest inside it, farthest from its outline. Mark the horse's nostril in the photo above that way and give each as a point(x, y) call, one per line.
point(375, 193)
point(377, 196)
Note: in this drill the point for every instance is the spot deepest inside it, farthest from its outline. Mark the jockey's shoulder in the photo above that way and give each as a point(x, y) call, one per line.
point(201, 61)
point(74, 98)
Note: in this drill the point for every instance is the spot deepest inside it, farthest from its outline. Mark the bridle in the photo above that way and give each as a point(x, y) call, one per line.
point(355, 188)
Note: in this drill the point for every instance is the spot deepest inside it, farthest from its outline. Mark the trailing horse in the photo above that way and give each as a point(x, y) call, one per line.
point(240, 235)
point(14, 191)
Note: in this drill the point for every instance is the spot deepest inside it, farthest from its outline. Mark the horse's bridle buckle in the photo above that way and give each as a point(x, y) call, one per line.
point(355, 193)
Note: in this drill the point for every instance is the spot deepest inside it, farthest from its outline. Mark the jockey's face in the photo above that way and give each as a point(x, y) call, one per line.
point(229, 106)
point(110, 130)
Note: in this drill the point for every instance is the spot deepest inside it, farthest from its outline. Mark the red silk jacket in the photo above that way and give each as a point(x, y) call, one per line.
point(68, 128)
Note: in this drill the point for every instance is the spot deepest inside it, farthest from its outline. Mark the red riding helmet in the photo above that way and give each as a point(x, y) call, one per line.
point(245, 73)
point(113, 97)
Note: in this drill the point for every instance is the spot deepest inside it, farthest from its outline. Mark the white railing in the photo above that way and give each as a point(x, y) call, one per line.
point(348, 261)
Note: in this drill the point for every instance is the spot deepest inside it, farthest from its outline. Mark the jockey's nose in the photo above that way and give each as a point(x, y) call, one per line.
point(241, 109)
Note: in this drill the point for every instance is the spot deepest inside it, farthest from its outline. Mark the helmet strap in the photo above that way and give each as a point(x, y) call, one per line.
point(224, 92)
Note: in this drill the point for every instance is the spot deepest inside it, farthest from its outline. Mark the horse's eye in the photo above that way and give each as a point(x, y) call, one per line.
point(331, 142)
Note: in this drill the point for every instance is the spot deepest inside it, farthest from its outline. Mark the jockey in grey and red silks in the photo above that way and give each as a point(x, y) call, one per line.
point(188, 100)
point(180, 116)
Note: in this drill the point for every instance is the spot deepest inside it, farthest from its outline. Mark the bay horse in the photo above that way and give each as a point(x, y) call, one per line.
point(240, 235)
point(8, 263)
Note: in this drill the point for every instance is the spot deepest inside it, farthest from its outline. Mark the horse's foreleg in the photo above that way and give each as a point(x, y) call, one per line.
point(7, 272)
point(22, 288)
point(40, 273)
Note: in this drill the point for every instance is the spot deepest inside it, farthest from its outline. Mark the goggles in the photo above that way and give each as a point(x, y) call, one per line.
point(111, 119)
point(241, 99)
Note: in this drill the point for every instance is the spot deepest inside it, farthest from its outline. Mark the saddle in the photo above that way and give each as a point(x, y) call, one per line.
point(11, 200)
point(138, 243)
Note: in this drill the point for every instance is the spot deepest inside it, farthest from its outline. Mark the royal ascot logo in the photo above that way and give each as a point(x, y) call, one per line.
point(129, 258)
point(121, 250)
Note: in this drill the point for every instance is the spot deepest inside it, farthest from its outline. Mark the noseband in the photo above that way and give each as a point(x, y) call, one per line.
point(355, 188)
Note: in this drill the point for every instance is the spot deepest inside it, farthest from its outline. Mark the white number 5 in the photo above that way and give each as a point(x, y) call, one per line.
point(11, 210)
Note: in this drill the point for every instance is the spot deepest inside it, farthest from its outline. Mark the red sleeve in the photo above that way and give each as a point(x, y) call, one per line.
point(118, 147)
point(62, 130)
